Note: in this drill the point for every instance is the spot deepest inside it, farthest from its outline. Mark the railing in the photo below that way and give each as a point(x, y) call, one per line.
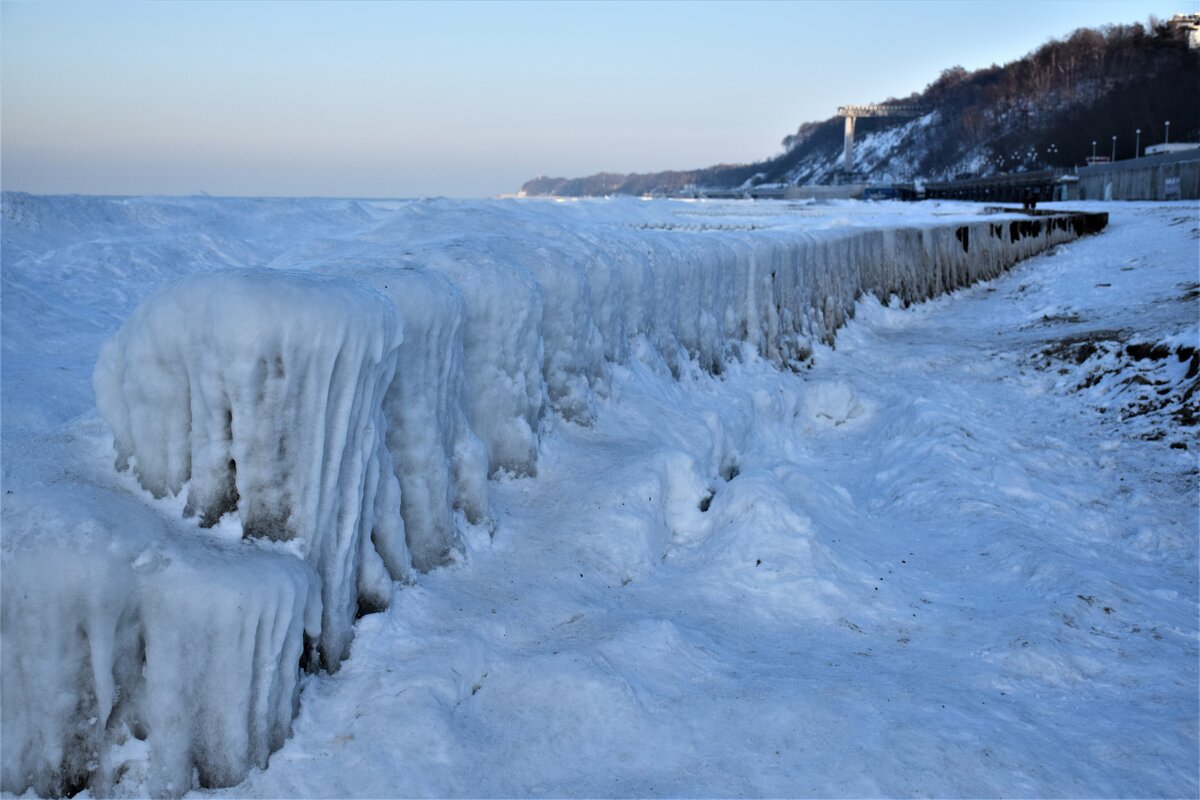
point(881, 110)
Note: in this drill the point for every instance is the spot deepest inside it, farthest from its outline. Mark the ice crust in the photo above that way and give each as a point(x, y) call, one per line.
point(353, 402)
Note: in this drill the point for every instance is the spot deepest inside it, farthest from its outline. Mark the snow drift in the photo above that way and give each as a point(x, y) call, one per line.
point(352, 402)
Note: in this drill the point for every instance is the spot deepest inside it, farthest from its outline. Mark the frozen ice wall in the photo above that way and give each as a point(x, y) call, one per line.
point(350, 403)
point(502, 353)
point(292, 397)
point(261, 392)
point(120, 636)
point(440, 462)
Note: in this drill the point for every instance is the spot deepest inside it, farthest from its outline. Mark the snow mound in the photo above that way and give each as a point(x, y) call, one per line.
point(261, 392)
point(832, 403)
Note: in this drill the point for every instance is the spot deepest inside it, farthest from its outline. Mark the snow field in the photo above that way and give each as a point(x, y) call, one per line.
point(352, 402)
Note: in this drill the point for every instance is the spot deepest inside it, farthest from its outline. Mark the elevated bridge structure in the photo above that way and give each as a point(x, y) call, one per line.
point(1017, 187)
point(852, 113)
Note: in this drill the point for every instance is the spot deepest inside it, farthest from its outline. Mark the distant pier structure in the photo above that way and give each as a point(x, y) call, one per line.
point(851, 113)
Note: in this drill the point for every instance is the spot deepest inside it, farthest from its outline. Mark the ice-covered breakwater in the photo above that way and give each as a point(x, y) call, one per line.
point(352, 402)
point(263, 393)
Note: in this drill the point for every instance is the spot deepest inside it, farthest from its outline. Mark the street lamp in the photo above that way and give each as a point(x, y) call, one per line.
point(1114, 153)
point(1093, 149)
point(1167, 140)
point(1137, 147)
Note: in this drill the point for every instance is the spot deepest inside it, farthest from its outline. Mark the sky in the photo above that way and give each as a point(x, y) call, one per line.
point(462, 99)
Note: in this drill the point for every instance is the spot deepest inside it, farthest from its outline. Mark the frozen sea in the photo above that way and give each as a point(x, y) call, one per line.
point(953, 554)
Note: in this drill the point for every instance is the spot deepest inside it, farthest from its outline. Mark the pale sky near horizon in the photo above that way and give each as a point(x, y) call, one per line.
point(462, 99)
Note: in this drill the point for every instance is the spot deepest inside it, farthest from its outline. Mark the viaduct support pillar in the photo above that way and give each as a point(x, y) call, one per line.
point(849, 144)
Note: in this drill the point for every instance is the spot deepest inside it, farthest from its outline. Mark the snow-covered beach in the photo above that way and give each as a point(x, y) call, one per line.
point(951, 550)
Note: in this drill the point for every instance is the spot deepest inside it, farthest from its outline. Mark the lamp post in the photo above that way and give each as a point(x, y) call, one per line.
point(1093, 149)
point(1114, 152)
point(1167, 140)
point(1137, 147)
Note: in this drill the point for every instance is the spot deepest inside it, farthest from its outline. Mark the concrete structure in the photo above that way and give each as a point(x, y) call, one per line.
point(1190, 24)
point(1173, 147)
point(1169, 176)
point(1018, 187)
point(847, 191)
point(851, 113)
point(775, 191)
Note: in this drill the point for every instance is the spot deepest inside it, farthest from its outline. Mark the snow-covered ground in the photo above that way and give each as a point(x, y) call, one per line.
point(954, 554)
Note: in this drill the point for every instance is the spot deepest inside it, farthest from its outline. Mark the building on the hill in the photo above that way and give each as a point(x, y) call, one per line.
point(1190, 23)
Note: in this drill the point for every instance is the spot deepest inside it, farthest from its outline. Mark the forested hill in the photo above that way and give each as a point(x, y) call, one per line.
point(1043, 110)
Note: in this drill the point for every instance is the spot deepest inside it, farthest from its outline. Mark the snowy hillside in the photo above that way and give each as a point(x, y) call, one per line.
point(642, 520)
point(889, 155)
point(1039, 111)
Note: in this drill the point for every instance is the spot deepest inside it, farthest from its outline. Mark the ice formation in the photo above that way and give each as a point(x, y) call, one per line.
point(117, 634)
point(440, 462)
point(351, 402)
point(262, 392)
point(502, 354)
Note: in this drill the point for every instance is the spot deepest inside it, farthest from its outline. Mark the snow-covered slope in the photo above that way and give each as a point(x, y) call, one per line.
point(888, 155)
point(335, 418)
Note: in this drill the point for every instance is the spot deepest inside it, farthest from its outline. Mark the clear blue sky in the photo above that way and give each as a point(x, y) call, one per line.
point(461, 99)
